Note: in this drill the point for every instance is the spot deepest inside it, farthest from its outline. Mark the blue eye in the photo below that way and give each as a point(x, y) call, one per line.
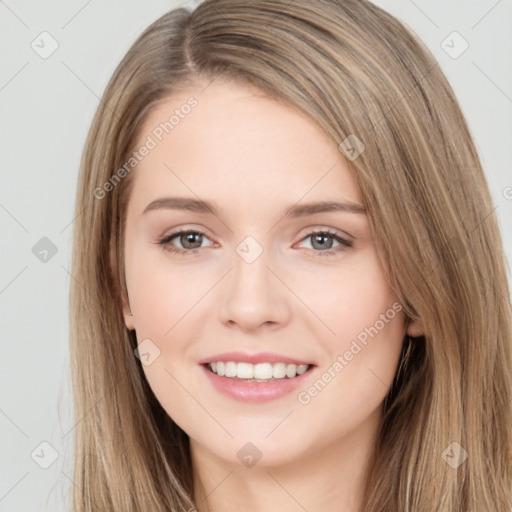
point(324, 241)
point(192, 241)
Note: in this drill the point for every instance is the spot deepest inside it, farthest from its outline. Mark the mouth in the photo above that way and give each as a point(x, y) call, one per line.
point(257, 382)
point(260, 372)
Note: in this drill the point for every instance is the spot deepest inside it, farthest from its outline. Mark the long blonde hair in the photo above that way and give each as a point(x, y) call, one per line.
point(355, 70)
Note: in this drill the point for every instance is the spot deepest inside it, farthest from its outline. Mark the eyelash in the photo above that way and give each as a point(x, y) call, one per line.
point(167, 246)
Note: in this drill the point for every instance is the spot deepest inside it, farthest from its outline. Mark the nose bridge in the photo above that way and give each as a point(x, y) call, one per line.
point(251, 275)
point(250, 250)
point(253, 295)
point(251, 264)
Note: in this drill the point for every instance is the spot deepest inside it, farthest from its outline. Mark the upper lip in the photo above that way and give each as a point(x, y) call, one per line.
point(259, 357)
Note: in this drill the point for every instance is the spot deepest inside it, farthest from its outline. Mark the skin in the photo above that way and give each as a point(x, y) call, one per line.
point(252, 157)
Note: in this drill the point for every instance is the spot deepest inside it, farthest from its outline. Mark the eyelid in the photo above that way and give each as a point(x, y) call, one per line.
point(318, 228)
point(184, 229)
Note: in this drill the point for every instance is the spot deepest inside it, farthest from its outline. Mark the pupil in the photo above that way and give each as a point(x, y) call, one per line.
point(189, 239)
point(317, 238)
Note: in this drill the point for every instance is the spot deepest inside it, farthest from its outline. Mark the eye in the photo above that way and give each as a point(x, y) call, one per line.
point(322, 242)
point(190, 242)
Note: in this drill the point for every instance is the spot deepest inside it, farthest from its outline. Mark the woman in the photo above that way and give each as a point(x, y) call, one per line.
point(290, 289)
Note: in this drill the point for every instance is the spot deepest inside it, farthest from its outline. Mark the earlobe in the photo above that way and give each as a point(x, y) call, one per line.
point(127, 314)
point(128, 317)
point(414, 328)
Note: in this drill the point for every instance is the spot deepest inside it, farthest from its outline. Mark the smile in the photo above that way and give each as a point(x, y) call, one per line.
point(261, 372)
point(259, 382)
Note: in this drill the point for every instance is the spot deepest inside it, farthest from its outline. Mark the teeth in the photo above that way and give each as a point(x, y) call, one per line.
point(244, 370)
point(258, 372)
point(230, 369)
point(302, 368)
point(279, 370)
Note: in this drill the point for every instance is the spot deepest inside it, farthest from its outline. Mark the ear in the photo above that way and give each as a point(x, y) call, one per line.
point(128, 317)
point(127, 314)
point(414, 328)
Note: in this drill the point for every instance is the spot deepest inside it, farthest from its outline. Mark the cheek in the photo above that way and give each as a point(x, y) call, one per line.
point(350, 298)
point(164, 301)
point(161, 293)
point(362, 332)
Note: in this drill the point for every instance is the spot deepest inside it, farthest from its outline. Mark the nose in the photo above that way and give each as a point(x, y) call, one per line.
point(254, 296)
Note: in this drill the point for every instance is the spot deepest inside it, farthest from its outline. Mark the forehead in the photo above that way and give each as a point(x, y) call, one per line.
point(228, 141)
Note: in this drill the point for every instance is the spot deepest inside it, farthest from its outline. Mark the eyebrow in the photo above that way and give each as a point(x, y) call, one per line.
point(298, 210)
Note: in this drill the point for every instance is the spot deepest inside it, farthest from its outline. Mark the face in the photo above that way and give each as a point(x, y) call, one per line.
point(256, 282)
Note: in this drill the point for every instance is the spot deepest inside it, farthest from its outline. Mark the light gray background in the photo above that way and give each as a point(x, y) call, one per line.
point(46, 109)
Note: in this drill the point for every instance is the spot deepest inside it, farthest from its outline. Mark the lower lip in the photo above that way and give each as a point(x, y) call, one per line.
point(256, 392)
